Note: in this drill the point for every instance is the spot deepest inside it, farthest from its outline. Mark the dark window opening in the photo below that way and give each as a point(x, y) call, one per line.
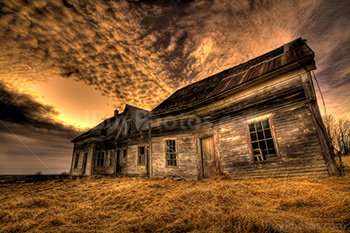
point(111, 158)
point(262, 141)
point(76, 160)
point(141, 156)
point(124, 157)
point(100, 158)
point(170, 153)
point(128, 127)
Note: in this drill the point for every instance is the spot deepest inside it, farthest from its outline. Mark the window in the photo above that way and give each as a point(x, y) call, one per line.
point(76, 160)
point(110, 158)
point(141, 156)
point(262, 141)
point(128, 127)
point(124, 157)
point(100, 158)
point(170, 153)
point(103, 132)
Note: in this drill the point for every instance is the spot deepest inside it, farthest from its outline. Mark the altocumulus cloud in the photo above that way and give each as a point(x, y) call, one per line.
point(140, 52)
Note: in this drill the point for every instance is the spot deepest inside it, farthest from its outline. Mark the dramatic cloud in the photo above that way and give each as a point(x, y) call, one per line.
point(22, 109)
point(139, 52)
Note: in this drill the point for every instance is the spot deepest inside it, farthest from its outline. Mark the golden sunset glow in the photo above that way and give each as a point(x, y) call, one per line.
point(78, 104)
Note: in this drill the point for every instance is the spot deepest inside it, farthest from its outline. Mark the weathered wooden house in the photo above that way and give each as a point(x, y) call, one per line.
point(257, 119)
point(112, 146)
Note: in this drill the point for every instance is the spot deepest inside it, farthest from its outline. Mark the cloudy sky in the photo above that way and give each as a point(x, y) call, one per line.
point(67, 64)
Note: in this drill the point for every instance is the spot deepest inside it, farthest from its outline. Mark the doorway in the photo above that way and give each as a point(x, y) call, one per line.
point(84, 163)
point(147, 162)
point(208, 157)
point(117, 162)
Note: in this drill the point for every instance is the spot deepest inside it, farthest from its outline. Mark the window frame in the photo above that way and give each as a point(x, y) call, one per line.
point(273, 135)
point(139, 163)
point(128, 123)
point(100, 162)
point(76, 160)
point(166, 153)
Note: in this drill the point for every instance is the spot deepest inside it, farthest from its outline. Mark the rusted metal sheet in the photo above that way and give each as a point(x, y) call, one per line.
point(253, 72)
point(234, 81)
point(222, 85)
point(294, 54)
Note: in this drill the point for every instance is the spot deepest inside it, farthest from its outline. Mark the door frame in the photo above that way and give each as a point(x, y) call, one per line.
point(117, 161)
point(85, 155)
point(199, 154)
point(202, 157)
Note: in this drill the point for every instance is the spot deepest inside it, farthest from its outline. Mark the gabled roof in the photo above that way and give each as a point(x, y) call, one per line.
point(206, 90)
point(138, 115)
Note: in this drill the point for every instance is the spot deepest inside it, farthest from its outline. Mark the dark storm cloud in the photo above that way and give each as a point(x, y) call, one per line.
point(23, 110)
point(140, 52)
point(31, 140)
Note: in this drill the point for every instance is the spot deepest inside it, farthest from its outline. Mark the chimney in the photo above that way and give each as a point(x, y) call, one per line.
point(116, 112)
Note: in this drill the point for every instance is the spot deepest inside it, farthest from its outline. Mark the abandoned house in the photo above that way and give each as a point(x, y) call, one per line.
point(258, 119)
point(107, 148)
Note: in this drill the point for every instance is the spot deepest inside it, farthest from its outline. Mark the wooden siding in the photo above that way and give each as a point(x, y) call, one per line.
point(282, 98)
point(186, 157)
point(131, 167)
point(81, 148)
point(297, 141)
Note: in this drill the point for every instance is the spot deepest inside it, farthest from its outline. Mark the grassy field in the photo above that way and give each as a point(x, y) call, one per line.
point(106, 204)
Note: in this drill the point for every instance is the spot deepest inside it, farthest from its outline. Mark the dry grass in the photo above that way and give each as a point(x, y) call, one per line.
point(133, 204)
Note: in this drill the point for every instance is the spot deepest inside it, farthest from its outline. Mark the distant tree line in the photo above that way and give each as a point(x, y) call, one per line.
point(338, 131)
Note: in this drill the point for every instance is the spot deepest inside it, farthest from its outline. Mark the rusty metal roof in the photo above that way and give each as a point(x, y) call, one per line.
point(295, 52)
point(205, 90)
